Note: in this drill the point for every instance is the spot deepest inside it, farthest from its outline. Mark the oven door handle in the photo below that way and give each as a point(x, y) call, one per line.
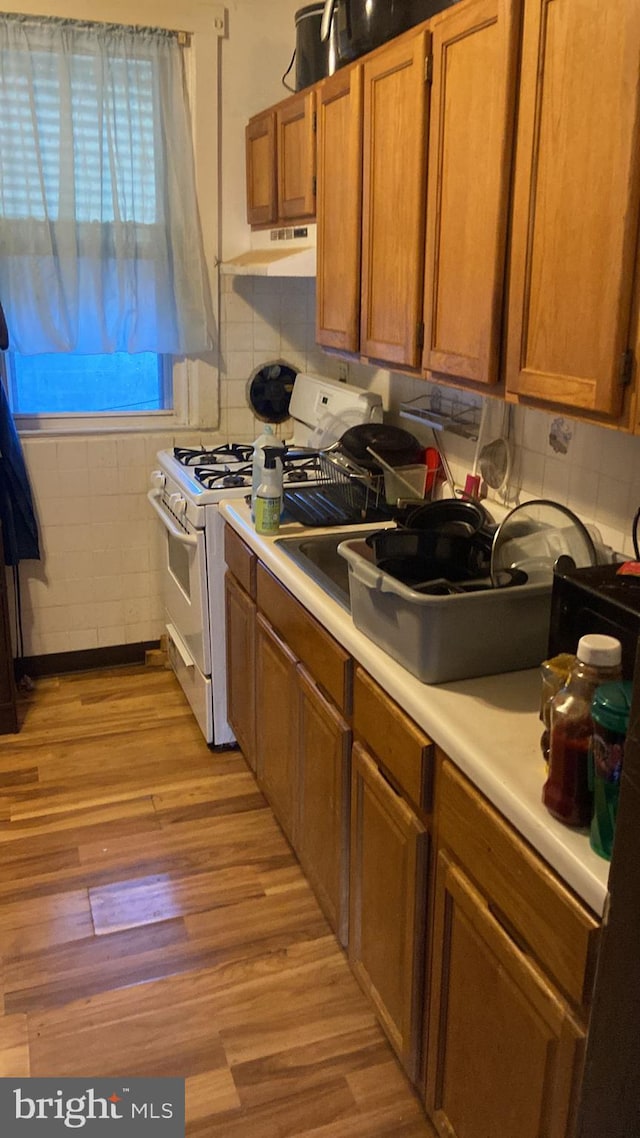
point(168, 523)
point(180, 647)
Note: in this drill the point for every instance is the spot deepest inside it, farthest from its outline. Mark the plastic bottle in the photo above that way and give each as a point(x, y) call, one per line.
point(554, 674)
point(266, 439)
point(269, 496)
point(566, 792)
point(610, 713)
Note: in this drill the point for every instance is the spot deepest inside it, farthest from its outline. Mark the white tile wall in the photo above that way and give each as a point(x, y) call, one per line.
point(99, 582)
point(264, 320)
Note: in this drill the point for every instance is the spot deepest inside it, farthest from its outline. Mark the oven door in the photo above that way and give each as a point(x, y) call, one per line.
point(184, 572)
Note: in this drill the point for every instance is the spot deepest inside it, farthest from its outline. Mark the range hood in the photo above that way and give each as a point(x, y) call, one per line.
point(289, 252)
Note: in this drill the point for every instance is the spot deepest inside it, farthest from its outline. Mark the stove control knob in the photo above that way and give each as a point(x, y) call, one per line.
point(177, 504)
point(158, 479)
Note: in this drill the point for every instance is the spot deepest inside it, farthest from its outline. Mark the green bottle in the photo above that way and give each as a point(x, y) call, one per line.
point(610, 715)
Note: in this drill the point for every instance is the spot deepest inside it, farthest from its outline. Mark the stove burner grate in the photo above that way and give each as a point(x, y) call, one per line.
point(219, 479)
point(301, 470)
point(228, 452)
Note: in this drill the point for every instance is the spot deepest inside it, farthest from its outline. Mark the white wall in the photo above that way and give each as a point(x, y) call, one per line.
point(254, 57)
point(98, 583)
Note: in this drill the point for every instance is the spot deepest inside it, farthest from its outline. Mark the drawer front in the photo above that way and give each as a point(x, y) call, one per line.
point(403, 749)
point(524, 893)
point(328, 663)
point(241, 560)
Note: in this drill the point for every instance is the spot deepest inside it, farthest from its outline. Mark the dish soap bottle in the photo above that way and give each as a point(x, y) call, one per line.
point(269, 495)
point(566, 792)
point(266, 439)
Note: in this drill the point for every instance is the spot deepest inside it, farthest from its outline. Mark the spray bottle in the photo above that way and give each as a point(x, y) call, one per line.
point(269, 495)
point(266, 439)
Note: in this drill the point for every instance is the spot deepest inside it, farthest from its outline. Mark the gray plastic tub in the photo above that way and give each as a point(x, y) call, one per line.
point(448, 638)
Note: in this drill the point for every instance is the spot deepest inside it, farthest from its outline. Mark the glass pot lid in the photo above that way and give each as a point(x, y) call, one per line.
point(535, 535)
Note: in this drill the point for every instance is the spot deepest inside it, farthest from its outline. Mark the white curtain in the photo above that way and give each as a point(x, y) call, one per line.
point(100, 241)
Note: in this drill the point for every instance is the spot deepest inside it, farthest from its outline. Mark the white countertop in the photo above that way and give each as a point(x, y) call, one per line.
point(488, 726)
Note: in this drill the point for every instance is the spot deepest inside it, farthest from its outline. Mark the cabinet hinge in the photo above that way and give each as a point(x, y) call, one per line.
point(314, 122)
point(314, 185)
point(420, 334)
point(428, 69)
point(626, 367)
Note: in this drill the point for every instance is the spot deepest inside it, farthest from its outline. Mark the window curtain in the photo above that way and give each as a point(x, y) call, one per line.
point(100, 241)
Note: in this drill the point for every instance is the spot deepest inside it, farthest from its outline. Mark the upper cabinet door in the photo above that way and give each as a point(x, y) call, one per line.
point(395, 116)
point(339, 209)
point(575, 204)
point(470, 149)
point(262, 193)
point(297, 156)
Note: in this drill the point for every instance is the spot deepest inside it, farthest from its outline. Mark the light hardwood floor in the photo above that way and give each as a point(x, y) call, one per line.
point(154, 921)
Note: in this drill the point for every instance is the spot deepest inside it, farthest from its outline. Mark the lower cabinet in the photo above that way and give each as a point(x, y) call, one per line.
point(240, 615)
point(504, 1048)
point(387, 904)
point(324, 764)
point(277, 725)
point(512, 966)
point(478, 961)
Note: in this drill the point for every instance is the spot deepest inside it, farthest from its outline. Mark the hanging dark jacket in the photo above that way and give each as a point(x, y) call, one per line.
point(17, 515)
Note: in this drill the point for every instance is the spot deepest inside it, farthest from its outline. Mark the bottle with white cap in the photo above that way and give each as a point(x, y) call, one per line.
point(269, 496)
point(266, 439)
point(566, 792)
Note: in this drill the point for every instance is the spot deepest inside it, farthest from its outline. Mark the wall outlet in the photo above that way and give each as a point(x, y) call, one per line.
point(343, 372)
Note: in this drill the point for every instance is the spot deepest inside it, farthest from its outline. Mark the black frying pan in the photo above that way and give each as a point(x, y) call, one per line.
point(448, 515)
point(395, 445)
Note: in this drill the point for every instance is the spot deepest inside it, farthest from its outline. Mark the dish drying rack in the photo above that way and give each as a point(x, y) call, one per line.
point(345, 494)
point(444, 413)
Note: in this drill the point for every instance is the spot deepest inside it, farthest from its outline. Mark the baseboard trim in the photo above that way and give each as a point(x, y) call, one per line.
point(57, 663)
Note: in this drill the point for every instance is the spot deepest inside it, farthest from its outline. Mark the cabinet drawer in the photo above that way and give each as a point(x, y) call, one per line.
point(402, 748)
point(524, 892)
point(330, 666)
point(241, 560)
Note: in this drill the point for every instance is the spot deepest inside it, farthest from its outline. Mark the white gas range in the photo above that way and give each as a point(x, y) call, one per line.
point(185, 491)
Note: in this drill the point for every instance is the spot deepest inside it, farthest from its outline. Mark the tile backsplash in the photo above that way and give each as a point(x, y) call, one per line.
point(99, 581)
point(264, 320)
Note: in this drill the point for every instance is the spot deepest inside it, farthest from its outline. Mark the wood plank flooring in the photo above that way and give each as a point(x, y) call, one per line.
point(154, 921)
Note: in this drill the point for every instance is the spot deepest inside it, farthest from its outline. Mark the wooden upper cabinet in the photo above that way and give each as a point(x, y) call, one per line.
point(394, 171)
point(575, 204)
point(262, 189)
point(475, 55)
point(296, 147)
point(339, 148)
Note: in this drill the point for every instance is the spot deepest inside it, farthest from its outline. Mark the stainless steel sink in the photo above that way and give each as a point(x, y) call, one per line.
point(317, 555)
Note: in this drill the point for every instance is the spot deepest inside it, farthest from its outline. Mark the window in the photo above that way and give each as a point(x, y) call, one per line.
point(103, 277)
point(113, 384)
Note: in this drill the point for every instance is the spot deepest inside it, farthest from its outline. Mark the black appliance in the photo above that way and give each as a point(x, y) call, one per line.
point(595, 599)
point(314, 57)
point(361, 25)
